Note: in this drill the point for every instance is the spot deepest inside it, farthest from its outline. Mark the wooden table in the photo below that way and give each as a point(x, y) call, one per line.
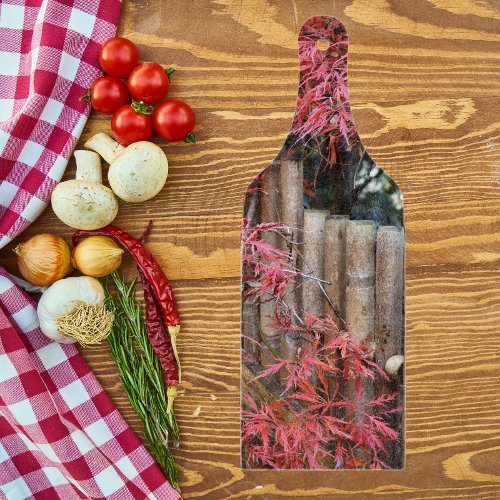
point(424, 80)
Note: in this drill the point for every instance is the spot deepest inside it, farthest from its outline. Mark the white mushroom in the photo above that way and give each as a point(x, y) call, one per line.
point(107, 147)
point(137, 172)
point(84, 203)
point(88, 166)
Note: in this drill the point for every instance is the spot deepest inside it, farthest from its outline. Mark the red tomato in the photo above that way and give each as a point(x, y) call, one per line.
point(107, 94)
point(174, 120)
point(118, 56)
point(128, 126)
point(148, 82)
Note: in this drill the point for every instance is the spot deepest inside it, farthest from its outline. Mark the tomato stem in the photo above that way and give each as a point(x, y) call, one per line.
point(86, 96)
point(141, 107)
point(191, 137)
point(170, 72)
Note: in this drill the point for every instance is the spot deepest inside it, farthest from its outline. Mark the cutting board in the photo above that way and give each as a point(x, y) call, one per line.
point(323, 276)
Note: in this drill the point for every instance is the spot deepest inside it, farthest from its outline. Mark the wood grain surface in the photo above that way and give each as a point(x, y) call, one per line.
point(425, 89)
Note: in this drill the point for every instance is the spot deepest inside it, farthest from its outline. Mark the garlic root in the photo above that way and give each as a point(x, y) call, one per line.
point(88, 323)
point(61, 300)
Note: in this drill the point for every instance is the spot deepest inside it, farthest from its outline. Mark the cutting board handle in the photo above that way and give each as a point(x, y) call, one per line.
point(323, 107)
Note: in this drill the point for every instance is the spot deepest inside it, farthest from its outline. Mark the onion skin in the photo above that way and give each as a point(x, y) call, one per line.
point(43, 259)
point(97, 256)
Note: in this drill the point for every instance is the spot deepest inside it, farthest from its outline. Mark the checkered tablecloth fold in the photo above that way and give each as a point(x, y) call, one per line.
point(60, 435)
point(48, 59)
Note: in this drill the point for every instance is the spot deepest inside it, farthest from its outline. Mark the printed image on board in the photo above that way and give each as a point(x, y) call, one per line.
point(323, 273)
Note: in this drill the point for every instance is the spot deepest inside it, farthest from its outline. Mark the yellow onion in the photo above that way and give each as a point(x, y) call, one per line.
point(43, 259)
point(97, 256)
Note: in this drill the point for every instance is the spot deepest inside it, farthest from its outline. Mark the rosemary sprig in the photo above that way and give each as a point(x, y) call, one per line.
point(152, 365)
point(141, 374)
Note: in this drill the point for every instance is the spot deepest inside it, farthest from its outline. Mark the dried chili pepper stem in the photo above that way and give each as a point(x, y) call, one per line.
point(174, 331)
point(172, 393)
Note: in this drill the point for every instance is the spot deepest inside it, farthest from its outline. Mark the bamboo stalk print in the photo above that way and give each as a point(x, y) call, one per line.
point(360, 300)
point(270, 200)
point(389, 324)
point(250, 329)
point(334, 273)
point(269, 212)
point(292, 214)
point(313, 262)
point(360, 287)
point(335, 235)
point(292, 202)
point(249, 309)
point(360, 277)
point(389, 286)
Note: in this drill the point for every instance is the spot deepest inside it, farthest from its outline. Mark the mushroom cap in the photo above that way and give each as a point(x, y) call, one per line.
point(139, 172)
point(84, 205)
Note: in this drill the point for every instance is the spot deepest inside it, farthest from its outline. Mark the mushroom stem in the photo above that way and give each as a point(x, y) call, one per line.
point(393, 365)
point(104, 145)
point(88, 166)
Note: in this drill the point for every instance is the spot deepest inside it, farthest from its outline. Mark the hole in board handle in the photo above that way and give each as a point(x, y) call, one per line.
point(322, 45)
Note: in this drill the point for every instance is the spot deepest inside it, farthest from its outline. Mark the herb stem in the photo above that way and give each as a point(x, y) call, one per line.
point(141, 374)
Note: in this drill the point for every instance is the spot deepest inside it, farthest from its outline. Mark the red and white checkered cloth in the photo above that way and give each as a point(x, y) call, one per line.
point(60, 435)
point(48, 59)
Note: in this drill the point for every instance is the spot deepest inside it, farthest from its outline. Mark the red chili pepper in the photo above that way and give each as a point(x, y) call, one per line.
point(152, 271)
point(158, 336)
point(160, 341)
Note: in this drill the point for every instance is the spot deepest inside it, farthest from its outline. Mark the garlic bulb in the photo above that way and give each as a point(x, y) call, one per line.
point(72, 309)
point(43, 259)
point(97, 256)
